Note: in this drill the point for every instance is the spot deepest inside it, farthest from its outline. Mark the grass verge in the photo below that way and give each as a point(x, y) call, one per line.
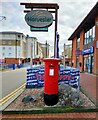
point(50, 110)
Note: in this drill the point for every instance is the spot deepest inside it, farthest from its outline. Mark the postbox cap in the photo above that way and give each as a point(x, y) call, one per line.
point(51, 59)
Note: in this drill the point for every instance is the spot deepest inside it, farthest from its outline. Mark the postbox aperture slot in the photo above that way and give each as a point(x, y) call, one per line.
point(51, 66)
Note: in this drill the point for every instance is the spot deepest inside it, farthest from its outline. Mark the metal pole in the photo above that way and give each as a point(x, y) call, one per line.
point(31, 57)
point(64, 56)
point(46, 49)
point(56, 14)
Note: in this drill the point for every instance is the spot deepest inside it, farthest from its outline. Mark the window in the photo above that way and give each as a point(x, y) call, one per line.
point(9, 53)
point(18, 36)
point(9, 48)
point(3, 42)
point(93, 34)
point(3, 54)
point(85, 40)
point(3, 48)
point(78, 42)
point(9, 42)
point(22, 36)
point(89, 35)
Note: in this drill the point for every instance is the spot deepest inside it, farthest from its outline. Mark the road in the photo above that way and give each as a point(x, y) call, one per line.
point(11, 80)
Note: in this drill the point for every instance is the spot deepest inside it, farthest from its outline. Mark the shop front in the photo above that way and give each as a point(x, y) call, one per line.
point(88, 56)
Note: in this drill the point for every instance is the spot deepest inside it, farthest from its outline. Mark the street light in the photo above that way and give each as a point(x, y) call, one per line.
point(2, 18)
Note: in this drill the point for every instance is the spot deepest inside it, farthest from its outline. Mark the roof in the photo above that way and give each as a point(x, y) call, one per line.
point(27, 36)
point(87, 23)
point(10, 32)
point(44, 44)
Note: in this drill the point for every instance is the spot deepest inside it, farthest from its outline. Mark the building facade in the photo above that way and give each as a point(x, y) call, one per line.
point(12, 46)
point(16, 48)
point(67, 53)
point(45, 49)
point(85, 43)
point(31, 43)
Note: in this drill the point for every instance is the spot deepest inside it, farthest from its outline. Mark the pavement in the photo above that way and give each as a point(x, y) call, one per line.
point(60, 116)
point(89, 83)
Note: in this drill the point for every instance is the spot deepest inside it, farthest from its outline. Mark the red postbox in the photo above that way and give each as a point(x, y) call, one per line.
point(51, 81)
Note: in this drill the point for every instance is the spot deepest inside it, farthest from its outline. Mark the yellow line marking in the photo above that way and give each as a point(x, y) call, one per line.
point(11, 93)
point(9, 98)
point(6, 98)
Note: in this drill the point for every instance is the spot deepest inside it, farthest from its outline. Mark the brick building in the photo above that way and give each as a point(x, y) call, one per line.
point(85, 43)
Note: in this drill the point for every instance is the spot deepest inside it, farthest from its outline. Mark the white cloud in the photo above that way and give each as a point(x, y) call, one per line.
point(70, 12)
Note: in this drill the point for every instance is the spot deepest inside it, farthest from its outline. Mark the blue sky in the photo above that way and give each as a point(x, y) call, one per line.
point(70, 15)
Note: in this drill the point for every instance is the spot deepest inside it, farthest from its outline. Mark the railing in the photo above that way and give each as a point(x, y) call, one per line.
point(4, 66)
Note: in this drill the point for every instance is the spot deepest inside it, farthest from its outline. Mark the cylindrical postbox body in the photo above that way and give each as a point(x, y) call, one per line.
point(51, 81)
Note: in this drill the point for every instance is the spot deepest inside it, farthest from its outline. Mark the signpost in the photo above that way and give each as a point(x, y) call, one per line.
point(40, 18)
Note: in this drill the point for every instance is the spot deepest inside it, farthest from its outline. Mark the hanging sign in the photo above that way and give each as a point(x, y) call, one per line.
point(88, 51)
point(78, 52)
point(45, 29)
point(39, 18)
